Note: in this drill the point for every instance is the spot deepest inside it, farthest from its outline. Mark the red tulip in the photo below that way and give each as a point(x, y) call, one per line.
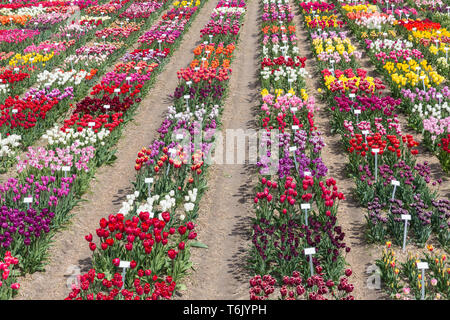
point(190, 225)
point(182, 230)
point(172, 254)
point(192, 235)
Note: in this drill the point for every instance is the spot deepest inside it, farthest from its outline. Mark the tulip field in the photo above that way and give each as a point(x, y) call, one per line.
point(111, 124)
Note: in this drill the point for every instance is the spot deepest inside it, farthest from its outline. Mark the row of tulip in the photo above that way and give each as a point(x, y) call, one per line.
point(389, 181)
point(296, 207)
point(36, 22)
point(410, 69)
point(435, 10)
point(51, 179)
point(149, 239)
point(27, 117)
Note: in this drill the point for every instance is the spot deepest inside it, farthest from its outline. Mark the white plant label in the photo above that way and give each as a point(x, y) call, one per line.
point(422, 265)
point(124, 264)
point(292, 149)
point(395, 183)
point(406, 217)
point(28, 200)
point(310, 251)
point(305, 206)
point(295, 127)
point(148, 180)
point(91, 124)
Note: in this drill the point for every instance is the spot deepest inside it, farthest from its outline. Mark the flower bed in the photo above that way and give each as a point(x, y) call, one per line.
point(166, 208)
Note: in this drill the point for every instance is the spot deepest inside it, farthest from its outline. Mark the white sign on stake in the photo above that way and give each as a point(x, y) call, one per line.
point(309, 252)
point(422, 266)
point(357, 113)
point(91, 124)
point(65, 169)
point(28, 200)
point(306, 207)
point(405, 217)
point(295, 127)
point(148, 181)
point(125, 265)
point(365, 133)
point(376, 151)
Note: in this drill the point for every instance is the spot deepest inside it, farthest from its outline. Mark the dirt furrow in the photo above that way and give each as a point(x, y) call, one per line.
point(70, 252)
